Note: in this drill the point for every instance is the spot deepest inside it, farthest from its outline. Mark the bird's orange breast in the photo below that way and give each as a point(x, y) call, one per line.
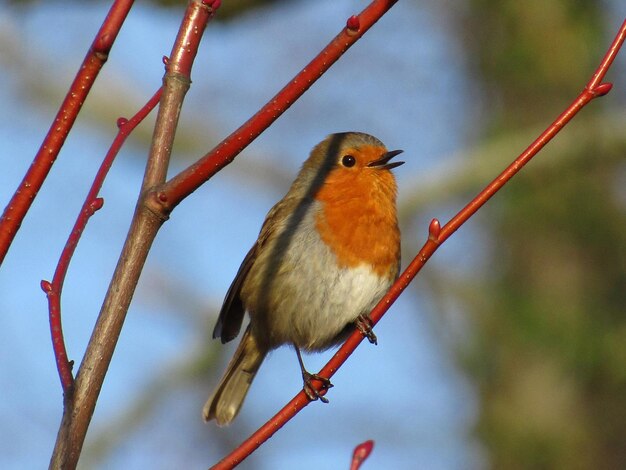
point(358, 219)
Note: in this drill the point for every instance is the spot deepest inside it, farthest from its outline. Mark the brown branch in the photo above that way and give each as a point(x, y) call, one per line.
point(174, 191)
point(26, 192)
point(436, 237)
point(79, 407)
point(92, 203)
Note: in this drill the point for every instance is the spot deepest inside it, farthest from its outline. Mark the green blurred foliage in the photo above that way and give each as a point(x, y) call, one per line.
point(550, 347)
point(548, 352)
point(531, 56)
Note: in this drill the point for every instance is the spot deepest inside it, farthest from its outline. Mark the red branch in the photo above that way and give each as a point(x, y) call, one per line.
point(97, 55)
point(181, 64)
point(183, 184)
point(79, 407)
point(182, 58)
point(91, 205)
point(436, 236)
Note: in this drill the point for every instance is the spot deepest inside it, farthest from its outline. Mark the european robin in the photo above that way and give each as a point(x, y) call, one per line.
point(326, 254)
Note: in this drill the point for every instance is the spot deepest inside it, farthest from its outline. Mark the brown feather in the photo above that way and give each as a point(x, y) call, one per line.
point(231, 315)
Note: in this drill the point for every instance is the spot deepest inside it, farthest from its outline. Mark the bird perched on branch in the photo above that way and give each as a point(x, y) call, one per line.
point(326, 254)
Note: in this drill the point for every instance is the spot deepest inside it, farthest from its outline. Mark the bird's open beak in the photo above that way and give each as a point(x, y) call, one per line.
point(382, 162)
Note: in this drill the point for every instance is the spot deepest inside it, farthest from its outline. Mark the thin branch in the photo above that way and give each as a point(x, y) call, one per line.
point(92, 204)
point(26, 192)
point(79, 407)
point(436, 237)
point(174, 191)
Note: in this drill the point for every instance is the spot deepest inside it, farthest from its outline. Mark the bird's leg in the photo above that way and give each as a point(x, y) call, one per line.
point(311, 392)
point(364, 325)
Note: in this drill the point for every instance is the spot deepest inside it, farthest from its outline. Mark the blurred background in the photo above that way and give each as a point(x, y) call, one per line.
point(509, 349)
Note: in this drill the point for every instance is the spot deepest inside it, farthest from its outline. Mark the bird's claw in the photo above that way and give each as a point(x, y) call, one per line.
point(364, 325)
point(313, 393)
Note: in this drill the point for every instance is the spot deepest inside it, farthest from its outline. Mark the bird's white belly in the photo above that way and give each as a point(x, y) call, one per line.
point(307, 299)
point(348, 293)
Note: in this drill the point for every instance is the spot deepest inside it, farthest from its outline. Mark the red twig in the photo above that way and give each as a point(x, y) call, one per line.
point(360, 454)
point(79, 407)
point(436, 236)
point(189, 35)
point(175, 190)
point(91, 205)
point(97, 55)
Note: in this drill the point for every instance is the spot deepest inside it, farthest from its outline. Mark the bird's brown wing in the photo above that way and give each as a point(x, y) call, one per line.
point(231, 315)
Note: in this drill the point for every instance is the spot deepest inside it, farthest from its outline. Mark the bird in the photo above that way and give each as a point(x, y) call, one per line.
point(326, 254)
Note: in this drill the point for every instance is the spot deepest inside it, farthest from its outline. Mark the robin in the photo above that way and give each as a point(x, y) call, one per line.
point(326, 254)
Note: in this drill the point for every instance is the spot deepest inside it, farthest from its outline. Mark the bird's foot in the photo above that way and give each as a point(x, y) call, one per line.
point(364, 325)
point(313, 393)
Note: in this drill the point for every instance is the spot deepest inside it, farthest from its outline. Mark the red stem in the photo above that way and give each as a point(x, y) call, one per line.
point(90, 206)
point(437, 235)
point(97, 55)
point(183, 184)
point(79, 408)
point(189, 35)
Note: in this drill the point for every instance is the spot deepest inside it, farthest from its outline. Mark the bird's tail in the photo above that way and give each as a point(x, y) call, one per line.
point(228, 397)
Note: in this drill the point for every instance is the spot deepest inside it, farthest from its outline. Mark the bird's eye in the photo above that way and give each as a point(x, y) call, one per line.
point(348, 161)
